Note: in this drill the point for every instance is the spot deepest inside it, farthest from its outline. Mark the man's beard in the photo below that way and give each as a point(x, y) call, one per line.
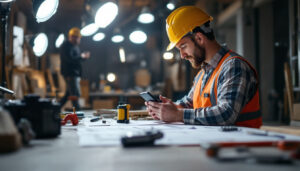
point(198, 56)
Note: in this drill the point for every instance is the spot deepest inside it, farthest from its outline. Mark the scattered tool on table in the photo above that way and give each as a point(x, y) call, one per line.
point(80, 114)
point(123, 113)
point(146, 138)
point(95, 119)
point(133, 114)
point(229, 128)
point(72, 117)
point(282, 145)
point(266, 133)
point(213, 151)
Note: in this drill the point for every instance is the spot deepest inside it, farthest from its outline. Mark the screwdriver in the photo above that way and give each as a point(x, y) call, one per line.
point(95, 119)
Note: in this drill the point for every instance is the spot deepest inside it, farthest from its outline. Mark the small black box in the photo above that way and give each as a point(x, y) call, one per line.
point(42, 113)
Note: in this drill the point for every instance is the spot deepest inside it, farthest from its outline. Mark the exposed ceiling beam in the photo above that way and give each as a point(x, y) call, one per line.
point(231, 11)
point(260, 2)
point(228, 12)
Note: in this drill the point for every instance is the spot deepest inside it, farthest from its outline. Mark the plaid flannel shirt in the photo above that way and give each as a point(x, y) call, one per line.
point(236, 86)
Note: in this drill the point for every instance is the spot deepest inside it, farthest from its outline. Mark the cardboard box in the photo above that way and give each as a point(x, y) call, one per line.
point(104, 104)
point(296, 112)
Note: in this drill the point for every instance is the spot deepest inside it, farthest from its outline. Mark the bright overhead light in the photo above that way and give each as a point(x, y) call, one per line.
point(145, 17)
point(117, 38)
point(171, 6)
point(89, 29)
point(44, 9)
point(111, 77)
point(168, 55)
point(106, 14)
point(4, 1)
point(60, 39)
point(40, 44)
point(98, 36)
point(122, 55)
point(138, 37)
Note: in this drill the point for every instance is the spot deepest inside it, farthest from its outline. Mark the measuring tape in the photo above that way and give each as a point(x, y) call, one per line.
point(123, 113)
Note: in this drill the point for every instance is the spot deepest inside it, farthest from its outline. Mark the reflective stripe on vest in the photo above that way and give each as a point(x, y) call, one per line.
point(249, 116)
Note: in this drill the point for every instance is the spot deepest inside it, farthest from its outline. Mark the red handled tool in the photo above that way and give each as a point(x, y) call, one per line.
point(212, 150)
point(72, 117)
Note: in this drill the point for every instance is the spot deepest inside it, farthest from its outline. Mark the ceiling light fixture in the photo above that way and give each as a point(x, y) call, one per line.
point(111, 77)
point(98, 37)
point(5, 1)
point(118, 38)
point(89, 29)
point(44, 9)
point(138, 37)
point(168, 55)
point(60, 39)
point(171, 6)
point(40, 44)
point(146, 16)
point(106, 14)
point(122, 55)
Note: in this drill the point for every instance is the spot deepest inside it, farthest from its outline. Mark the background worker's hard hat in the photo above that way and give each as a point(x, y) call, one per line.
point(182, 21)
point(74, 32)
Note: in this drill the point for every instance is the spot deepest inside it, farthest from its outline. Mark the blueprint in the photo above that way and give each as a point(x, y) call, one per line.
point(110, 133)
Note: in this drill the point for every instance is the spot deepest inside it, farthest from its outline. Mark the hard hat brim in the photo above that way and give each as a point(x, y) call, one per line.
point(171, 46)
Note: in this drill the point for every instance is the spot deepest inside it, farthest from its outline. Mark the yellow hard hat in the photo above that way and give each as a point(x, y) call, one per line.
point(182, 21)
point(75, 31)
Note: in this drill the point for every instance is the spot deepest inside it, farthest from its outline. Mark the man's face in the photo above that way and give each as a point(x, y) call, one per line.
point(192, 51)
point(74, 40)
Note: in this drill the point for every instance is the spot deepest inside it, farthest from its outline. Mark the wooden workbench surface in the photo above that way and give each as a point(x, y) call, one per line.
point(293, 130)
point(64, 153)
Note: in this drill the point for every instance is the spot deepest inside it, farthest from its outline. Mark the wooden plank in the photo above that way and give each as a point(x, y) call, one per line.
point(19, 83)
point(38, 82)
point(285, 104)
point(296, 112)
point(293, 130)
point(289, 87)
point(85, 90)
point(51, 82)
point(10, 139)
point(62, 87)
point(115, 111)
point(8, 80)
point(104, 104)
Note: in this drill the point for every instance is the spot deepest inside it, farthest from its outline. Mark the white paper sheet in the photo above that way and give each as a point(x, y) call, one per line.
point(110, 133)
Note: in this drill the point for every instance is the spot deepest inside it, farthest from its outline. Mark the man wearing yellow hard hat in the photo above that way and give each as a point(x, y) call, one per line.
point(225, 90)
point(71, 58)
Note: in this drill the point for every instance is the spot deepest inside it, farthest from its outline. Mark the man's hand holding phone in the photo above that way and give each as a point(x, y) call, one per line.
point(147, 96)
point(163, 109)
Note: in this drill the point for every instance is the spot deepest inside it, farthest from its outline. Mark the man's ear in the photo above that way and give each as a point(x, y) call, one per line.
point(200, 38)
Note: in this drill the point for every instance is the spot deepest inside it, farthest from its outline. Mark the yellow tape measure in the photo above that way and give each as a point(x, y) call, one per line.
point(123, 113)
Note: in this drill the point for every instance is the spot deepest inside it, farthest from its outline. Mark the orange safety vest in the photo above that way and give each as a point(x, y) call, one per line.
point(250, 115)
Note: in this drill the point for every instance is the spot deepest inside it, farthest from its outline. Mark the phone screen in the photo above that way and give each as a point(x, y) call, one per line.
point(147, 96)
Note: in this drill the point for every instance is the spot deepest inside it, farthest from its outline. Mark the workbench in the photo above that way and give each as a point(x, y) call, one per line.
point(110, 99)
point(64, 153)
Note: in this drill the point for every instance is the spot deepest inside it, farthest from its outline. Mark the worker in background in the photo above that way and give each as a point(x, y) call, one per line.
point(71, 58)
point(225, 90)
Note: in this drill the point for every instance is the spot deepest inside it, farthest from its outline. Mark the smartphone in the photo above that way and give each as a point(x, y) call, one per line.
point(147, 96)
